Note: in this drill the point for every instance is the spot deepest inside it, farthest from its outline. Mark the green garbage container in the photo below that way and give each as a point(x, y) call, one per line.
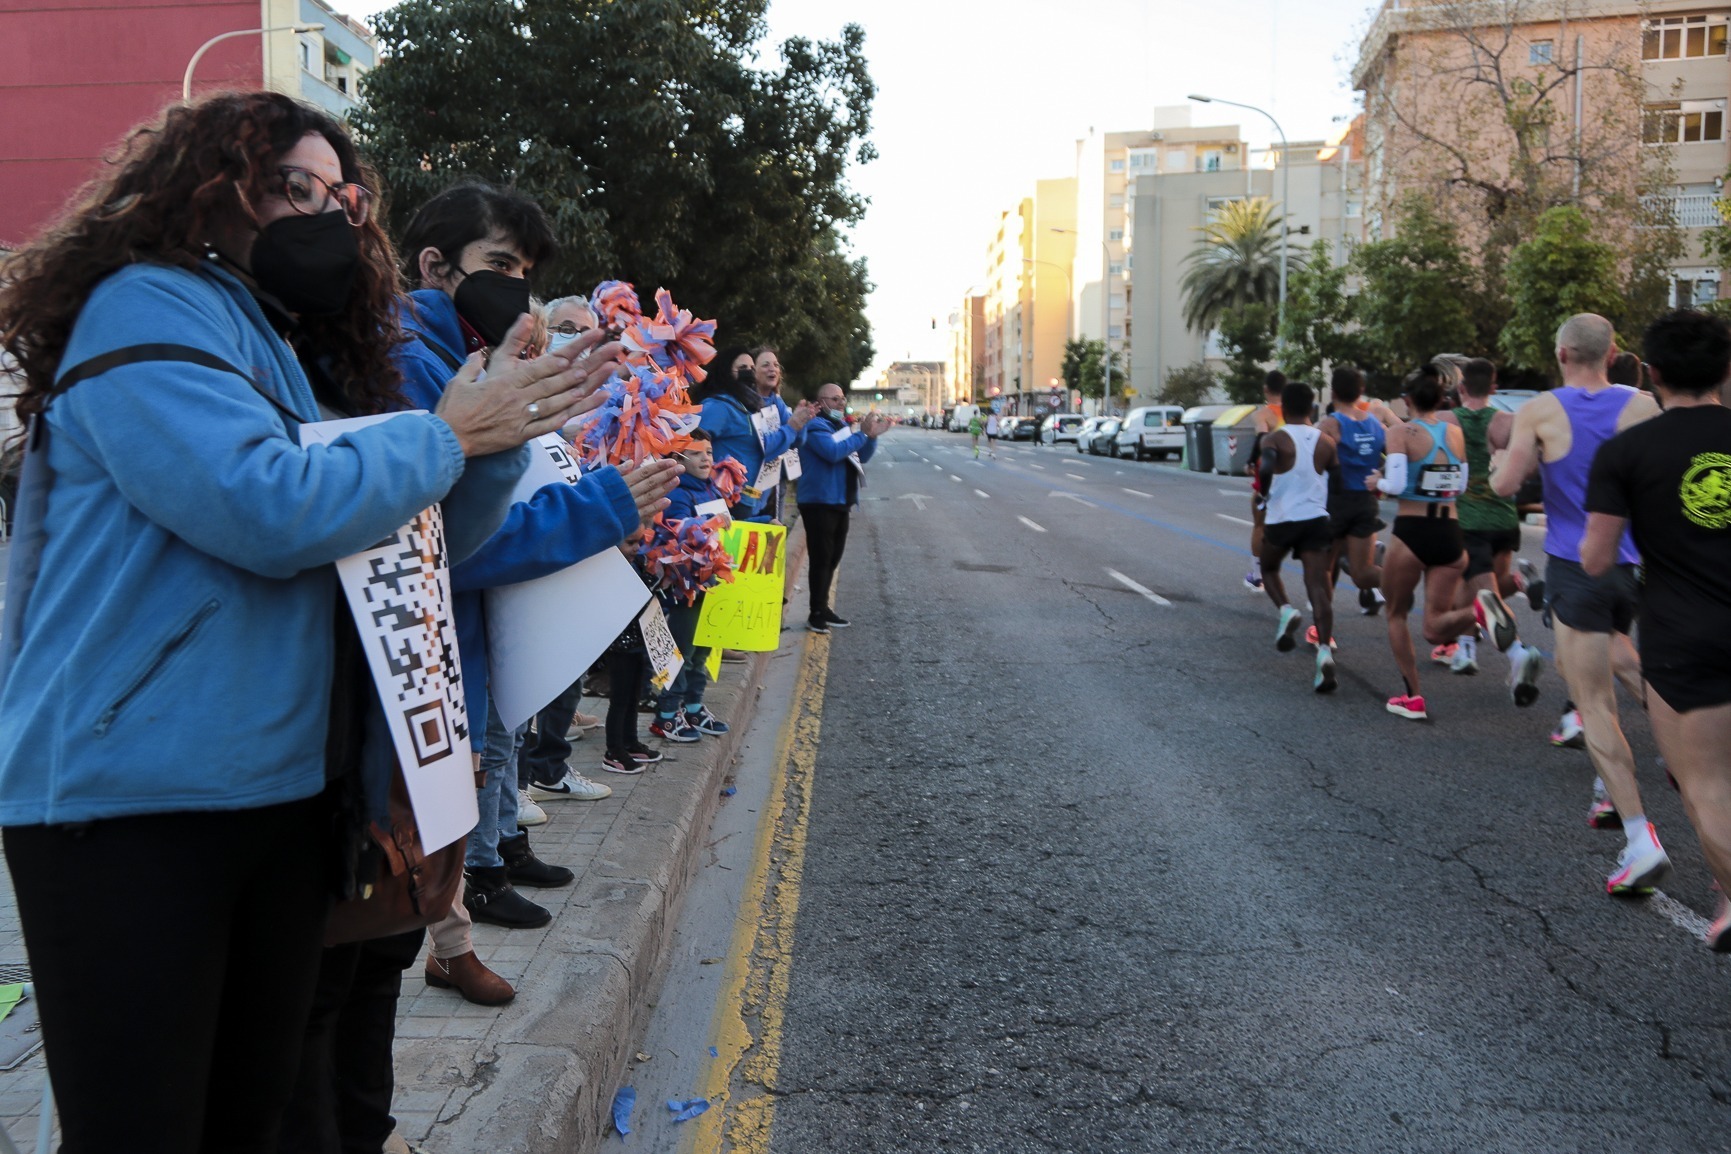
point(1234, 433)
point(1198, 440)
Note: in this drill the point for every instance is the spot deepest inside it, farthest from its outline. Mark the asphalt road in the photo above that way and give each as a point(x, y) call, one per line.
point(1087, 872)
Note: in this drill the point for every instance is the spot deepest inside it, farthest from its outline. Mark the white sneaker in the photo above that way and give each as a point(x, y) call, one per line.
point(1524, 676)
point(1640, 867)
point(1465, 661)
point(572, 787)
point(528, 813)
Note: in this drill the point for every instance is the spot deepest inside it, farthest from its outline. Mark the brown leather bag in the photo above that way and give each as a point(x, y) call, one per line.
point(411, 888)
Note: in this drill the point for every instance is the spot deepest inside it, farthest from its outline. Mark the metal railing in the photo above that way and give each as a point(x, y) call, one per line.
point(1690, 210)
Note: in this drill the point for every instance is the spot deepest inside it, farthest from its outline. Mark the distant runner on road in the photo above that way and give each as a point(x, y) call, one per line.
point(1294, 469)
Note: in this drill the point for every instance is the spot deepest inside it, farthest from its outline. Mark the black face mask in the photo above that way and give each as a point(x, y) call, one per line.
point(745, 376)
point(308, 262)
point(491, 302)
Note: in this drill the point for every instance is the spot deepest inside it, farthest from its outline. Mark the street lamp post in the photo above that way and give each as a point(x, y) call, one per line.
point(1105, 323)
point(1285, 200)
point(186, 80)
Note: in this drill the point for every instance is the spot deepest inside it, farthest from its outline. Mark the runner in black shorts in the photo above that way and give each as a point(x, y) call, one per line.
point(1669, 481)
point(1354, 508)
point(1294, 468)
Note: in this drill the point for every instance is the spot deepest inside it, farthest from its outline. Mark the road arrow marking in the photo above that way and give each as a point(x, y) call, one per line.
point(1137, 493)
point(1071, 497)
point(982, 493)
point(919, 500)
point(1142, 589)
point(1031, 525)
point(1236, 520)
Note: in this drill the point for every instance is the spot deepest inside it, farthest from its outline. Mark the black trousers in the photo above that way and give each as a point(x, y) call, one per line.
point(825, 538)
point(544, 753)
point(342, 1098)
point(625, 673)
point(174, 957)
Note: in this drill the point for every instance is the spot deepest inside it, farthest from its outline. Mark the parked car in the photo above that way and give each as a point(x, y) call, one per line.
point(1104, 441)
point(1060, 427)
point(1087, 431)
point(1151, 431)
point(1024, 428)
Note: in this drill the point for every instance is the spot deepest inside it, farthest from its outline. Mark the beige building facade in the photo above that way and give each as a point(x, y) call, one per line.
point(964, 364)
point(1026, 302)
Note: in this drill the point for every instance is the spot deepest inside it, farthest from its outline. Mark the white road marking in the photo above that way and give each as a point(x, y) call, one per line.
point(1031, 465)
point(919, 500)
point(939, 468)
point(1233, 492)
point(1679, 914)
point(1075, 476)
point(1137, 492)
point(1236, 520)
point(1142, 589)
point(1031, 525)
point(1117, 472)
point(982, 493)
point(1071, 497)
point(953, 477)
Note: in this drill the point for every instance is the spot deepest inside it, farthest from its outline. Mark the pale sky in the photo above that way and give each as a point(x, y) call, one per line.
point(977, 99)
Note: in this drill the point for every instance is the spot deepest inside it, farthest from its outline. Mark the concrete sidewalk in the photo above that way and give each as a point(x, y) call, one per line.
point(539, 1074)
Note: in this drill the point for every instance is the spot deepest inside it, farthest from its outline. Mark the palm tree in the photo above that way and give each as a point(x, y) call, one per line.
point(1236, 262)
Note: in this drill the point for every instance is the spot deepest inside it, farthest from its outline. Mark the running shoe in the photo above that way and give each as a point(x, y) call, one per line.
point(1602, 814)
point(1411, 707)
point(1253, 581)
point(1718, 936)
point(1495, 619)
point(572, 787)
point(1310, 638)
point(706, 722)
point(1465, 662)
point(1569, 733)
point(836, 620)
point(1639, 867)
point(1444, 654)
point(674, 729)
point(1325, 681)
point(1286, 633)
point(1381, 550)
point(1370, 601)
point(1524, 676)
point(616, 762)
point(642, 754)
point(1532, 583)
point(528, 813)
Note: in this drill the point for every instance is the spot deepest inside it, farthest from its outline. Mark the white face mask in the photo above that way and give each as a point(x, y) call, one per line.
point(836, 415)
point(557, 341)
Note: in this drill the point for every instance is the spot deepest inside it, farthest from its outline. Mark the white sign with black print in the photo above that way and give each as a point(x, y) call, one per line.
point(665, 660)
point(766, 421)
point(542, 634)
point(717, 508)
point(399, 592)
point(840, 437)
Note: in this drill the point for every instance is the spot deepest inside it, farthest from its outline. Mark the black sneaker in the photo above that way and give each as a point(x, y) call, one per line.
point(642, 754)
point(488, 896)
point(817, 624)
point(835, 619)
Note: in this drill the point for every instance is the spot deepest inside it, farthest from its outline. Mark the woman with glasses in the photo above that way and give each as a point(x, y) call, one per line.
point(181, 687)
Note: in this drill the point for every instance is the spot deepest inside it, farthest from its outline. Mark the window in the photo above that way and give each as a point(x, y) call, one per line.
point(1116, 332)
point(1210, 162)
point(1115, 234)
point(1539, 53)
point(1115, 201)
point(306, 56)
point(1116, 166)
point(1116, 269)
point(1683, 37)
point(1684, 122)
point(1117, 302)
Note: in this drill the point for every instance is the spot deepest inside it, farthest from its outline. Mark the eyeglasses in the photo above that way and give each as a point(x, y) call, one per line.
point(301, 189)
point(570, 329)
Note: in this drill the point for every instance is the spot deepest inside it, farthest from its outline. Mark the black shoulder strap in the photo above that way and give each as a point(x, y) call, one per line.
point(186, 354)
point(439, 350)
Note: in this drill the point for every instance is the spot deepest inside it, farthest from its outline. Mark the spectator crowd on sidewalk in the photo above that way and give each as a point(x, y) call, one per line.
point(186, 698)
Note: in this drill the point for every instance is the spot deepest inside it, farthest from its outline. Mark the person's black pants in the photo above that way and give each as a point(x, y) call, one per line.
point(542, 758)
point(625, 673)
point(174, 957)
point(342, 1098)
point(825, 538)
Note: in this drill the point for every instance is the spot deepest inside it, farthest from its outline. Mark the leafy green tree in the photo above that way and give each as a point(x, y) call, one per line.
point(1321, 321)
point(1562, 270)
point(1247, 334)
point(1081, 368)
point(1187, 385)
point(661, 155)
point(1236, 262)
point(1415, 293)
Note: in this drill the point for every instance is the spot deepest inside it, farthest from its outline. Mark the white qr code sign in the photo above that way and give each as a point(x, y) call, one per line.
point(665, 660)
point(399, 592)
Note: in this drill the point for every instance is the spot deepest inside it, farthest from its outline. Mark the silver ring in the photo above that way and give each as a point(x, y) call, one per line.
point(534, 408)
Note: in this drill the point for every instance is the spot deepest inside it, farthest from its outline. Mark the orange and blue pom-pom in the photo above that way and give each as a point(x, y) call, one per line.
point(685, 557)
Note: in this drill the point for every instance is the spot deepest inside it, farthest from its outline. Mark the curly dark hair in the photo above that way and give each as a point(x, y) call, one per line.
point(173, 183)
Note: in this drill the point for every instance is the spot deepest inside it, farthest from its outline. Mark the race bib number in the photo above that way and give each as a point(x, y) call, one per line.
point(1440, 481)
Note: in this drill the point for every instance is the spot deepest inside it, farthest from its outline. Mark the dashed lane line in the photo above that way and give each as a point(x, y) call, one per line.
point(1075, 476)
point(1032, 525)
point(1142, 589)
point(1031, 465)
point(1236, 520)
point(982, 493)
point(955, 478)
point(1136, 492)
point(1233, 492)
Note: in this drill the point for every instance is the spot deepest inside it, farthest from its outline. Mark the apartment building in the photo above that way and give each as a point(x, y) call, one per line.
point(1677, 51)
point(964, 365)
point(903, 387)
point(75, 78)
point(1026, 302)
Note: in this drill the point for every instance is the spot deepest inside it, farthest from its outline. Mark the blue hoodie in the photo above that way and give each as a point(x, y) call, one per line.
point(174, 650)
point(733, 436)
point(684, 500)
point(827, 478)
point(559, 526)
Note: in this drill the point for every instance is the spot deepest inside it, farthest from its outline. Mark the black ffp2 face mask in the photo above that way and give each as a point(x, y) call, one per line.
point(308, 262)
point(491, 302)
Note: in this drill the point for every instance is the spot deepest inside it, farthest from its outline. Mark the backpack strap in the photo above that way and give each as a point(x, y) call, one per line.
point(440, 351)
point(185, 354)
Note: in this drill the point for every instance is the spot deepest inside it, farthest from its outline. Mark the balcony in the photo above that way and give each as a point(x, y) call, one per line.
point(1689, 210)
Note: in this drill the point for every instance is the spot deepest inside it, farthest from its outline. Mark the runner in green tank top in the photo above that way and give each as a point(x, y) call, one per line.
point(1490, 525)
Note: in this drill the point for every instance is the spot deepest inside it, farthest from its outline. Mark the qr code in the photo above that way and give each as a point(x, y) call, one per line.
point(408, 609)
point(560, 452)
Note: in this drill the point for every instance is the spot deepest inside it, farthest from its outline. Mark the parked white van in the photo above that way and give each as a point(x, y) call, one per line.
point(1151, 431)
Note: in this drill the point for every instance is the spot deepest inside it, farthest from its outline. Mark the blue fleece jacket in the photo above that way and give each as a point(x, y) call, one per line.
point(174, 650)
point(734, 437)
point(684, 500)
point(559, 526)
point(827, 478)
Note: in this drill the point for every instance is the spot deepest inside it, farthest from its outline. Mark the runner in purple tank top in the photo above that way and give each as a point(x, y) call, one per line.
point(1559, 433)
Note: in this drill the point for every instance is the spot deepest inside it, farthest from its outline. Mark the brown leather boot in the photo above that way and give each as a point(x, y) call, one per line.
point(469, 977)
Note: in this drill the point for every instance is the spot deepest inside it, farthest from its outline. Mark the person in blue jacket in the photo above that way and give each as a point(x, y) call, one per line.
point(766, 371)
point(681, 715)
point(181, 688)
point(730, 405)
point(833, 457)
point(472, 249)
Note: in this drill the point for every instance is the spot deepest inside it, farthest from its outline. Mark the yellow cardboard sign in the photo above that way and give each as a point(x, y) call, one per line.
point(745, 614)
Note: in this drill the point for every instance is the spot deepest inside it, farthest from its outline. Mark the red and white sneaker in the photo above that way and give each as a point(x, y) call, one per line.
point(1570, 733)
point(1409, 707)
point(1310, 638)
point(1444, 654)
point(1495, 619)
point(1602, 814)
point(1640, 867)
